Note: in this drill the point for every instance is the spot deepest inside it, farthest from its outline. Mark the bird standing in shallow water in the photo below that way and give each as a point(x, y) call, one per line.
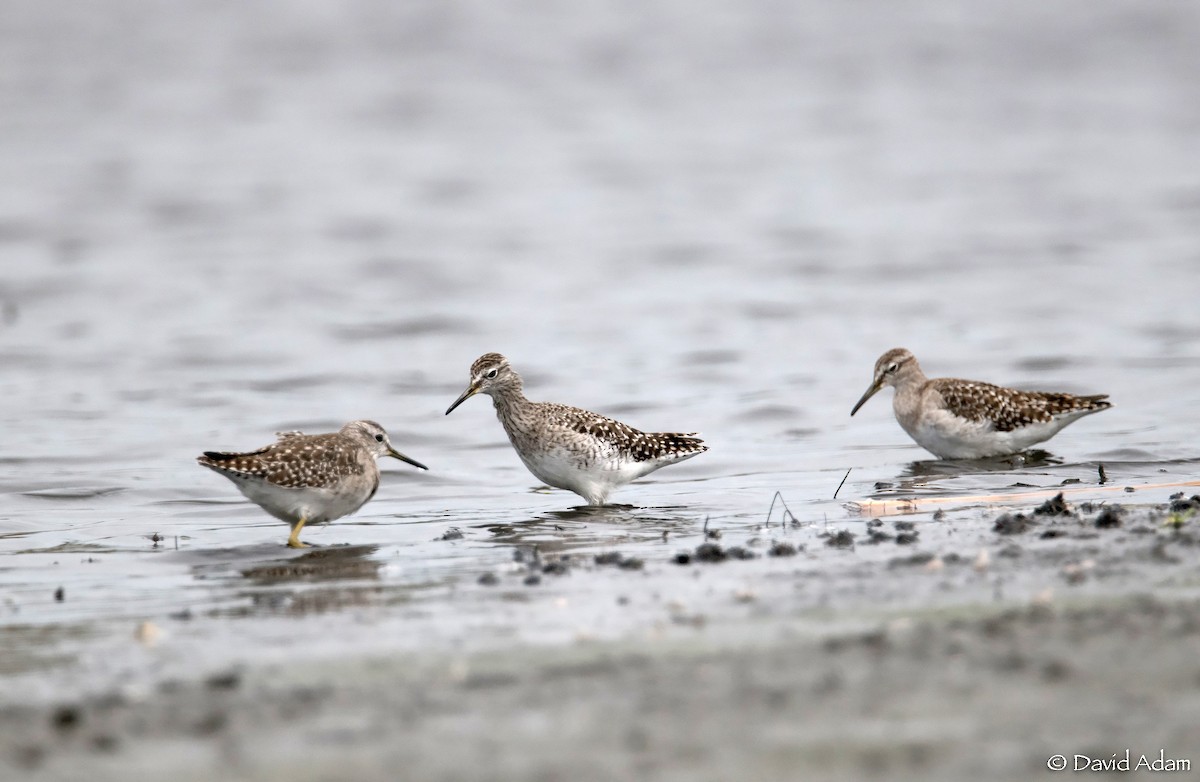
point(966, 419)
point(569, 448)
point(310, 478)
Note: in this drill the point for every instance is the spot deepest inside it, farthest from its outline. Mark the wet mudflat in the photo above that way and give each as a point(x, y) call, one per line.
point(216, 224)
point(980, 646)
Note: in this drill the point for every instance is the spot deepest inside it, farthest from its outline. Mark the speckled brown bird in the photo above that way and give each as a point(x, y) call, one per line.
point(967, 419)
point(310, 478)
point(570, 448)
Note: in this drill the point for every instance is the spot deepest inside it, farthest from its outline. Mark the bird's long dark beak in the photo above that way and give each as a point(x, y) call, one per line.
point(471, 391)
point(397, 455)
point(874, 389)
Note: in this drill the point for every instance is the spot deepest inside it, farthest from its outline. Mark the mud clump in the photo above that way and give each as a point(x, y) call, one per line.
point(874, 533)
point(906, 533)
point(535, 565)
point(1055, 506)
point(781, 549)
point(489, 579)
point(618, 559)
point(1181, 505)
point(1012, 524)
point(843, 538)
point(558, 567)
point(713, 552)
point(705, 552)
point(1109, 517)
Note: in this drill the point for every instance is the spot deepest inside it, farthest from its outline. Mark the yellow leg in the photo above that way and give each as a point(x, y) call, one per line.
point(294, 538)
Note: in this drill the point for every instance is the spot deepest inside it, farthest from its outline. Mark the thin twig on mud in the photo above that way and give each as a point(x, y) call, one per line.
point(787, 512)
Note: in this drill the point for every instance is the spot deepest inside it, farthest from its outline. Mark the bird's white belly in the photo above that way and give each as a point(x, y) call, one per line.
point(593, 481)
point(950, 437)
point(314, 505)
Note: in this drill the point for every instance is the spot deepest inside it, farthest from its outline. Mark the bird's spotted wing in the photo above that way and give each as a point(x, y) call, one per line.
point(1008, 409)
point(634, 444)
point(297, 461)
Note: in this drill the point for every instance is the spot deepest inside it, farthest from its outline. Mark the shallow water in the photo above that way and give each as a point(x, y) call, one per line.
point(220, 223)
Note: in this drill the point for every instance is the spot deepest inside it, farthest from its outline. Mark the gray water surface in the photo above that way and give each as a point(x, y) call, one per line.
point(221, 222)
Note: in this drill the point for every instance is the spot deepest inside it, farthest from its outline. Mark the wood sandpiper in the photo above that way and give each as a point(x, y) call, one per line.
point(310, 478)
point(966, 419)
point(569, 448)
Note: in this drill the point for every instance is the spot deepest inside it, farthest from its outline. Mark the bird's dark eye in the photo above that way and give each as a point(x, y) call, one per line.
point(379, 438)
point(892, 368)
point(492, 373)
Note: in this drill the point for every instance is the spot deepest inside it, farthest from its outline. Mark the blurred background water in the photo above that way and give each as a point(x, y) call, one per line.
point(222, 220)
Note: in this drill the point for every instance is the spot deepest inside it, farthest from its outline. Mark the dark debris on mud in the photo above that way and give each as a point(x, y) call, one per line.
point(619, 560)
point(1012, 523)
point(531, 565)
point(1083, 520)
point(1181, 504)
point(713, 552)
point(1055, 506)
point(906, 533)
point(718, 553)
point(843, 538)
point(1109, 517)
